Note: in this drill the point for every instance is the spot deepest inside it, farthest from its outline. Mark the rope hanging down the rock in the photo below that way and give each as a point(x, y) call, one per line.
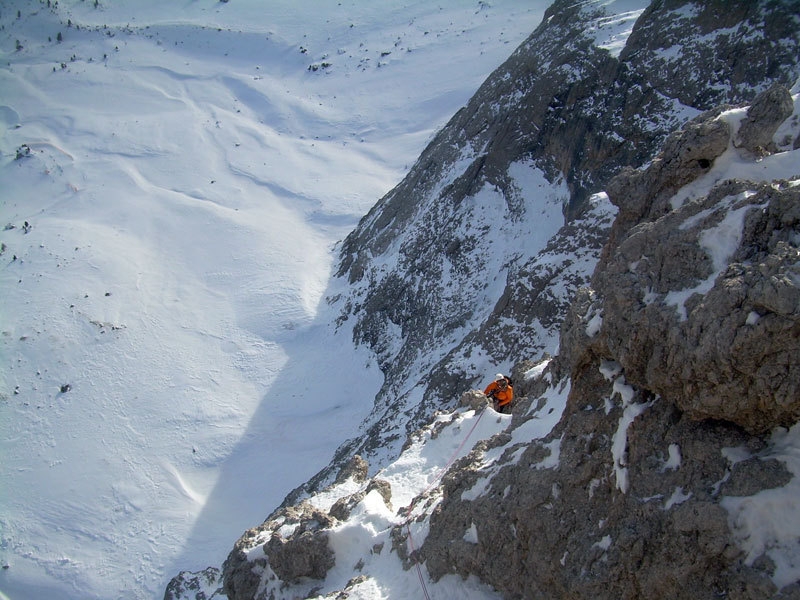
point(439, 475)
point(416, 562)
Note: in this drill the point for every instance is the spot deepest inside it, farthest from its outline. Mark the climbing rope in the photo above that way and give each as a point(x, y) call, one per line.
point(416, 562)
point(434, 481)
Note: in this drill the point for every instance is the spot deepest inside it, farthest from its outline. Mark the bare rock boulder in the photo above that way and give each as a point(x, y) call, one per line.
point(717, 335)
point(304, 555)
point(475, 399)
point(765, 115)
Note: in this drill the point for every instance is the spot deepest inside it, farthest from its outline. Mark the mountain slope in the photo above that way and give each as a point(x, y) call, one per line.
point(676, 456)
point(630, 467)
point(185, 174)
point(468, 264)
point(645, 458)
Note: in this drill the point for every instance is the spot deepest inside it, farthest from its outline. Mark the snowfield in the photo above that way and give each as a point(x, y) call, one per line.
point(174, 180)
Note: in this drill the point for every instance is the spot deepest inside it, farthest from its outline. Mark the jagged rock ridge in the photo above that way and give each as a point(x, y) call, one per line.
point(467, 264)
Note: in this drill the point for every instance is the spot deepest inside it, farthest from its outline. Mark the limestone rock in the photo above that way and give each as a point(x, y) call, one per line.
point(475, 399)
point(768, 111)
point(357, 469)
point(694, 310)
point(570, 532)
point(303, 555)
point(687, 154)
point(717, 338)
point(203, 585)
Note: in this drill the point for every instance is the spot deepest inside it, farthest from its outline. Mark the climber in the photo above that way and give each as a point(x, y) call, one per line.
point(501, 393)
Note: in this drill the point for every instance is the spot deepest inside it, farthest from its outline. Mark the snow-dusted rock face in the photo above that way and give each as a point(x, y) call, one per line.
point(202, 585)
point(702, 305)
point(656, 454)
point(469, 263)
point(615, 477)
point(681, 359)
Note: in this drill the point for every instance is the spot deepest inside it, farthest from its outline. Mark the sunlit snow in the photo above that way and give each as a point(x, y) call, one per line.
point(185, 171)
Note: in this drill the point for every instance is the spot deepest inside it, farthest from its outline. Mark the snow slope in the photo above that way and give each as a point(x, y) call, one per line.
point(184, 172)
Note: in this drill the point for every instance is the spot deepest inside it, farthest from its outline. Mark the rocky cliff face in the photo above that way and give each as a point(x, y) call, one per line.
point(471, 262)
point(672, 469)
point(668, 293)
point(681, 352)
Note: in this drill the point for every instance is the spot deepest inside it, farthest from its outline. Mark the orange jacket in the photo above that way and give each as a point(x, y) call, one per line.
point(502, 396)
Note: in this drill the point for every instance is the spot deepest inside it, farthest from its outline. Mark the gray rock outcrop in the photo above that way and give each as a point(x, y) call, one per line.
point(303, 555)
point(203, 585)
point(289, 546)
point(696, 354)
point(475, 399)
point(571, 533)
point(767, 112)
point(729, 353)
point(356, 469)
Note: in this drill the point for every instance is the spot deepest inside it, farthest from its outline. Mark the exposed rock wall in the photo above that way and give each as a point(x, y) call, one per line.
point(727, 351)
point(291, 545)
point(570, 533)
point(693, 354)
point(424, 264)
